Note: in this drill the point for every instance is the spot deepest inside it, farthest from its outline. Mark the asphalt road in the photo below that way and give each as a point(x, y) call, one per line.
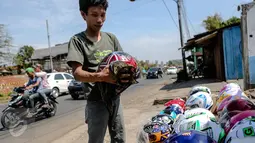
point(70, 115)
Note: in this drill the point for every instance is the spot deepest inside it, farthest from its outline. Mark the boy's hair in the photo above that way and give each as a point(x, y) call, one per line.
point(85, 4)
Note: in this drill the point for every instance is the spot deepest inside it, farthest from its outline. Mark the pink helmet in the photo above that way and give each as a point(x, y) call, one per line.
point(234, 107)
point(228, 100)
point(237, 118)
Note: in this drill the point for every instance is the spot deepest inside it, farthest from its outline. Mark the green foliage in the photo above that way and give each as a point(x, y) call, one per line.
point(215, 22)
point(24, 55)
point(144, 65)
point(231, 20)
point(212, 22)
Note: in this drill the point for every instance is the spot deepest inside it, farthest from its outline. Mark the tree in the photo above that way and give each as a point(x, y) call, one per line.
point(216, 22)
point(24, 55)
point(212, 22)
point(5, 39)
point(231, 20)
point(169, 63)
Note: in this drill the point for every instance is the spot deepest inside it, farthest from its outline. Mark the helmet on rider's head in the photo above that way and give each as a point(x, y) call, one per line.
point(178, 101)
point(199, 88)
point(173, 110)
point(199, 100)
point(237, 118)
point(157, 131)
point(241, 131)
point(122, 66)
point(191, 136)
point(234, 107)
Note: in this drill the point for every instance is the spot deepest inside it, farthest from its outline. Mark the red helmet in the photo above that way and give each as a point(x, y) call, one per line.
point(118, 56)
point(178, 101)
point(121, 63)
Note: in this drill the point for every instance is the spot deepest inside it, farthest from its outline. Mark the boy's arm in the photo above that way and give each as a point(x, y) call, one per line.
point(40, 74)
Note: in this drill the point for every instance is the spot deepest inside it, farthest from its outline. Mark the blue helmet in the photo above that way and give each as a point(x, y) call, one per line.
point(172, 110)
point(191, 136)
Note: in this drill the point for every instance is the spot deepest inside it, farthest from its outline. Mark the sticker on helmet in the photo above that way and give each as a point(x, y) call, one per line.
point(249, 131)
point(187, 134)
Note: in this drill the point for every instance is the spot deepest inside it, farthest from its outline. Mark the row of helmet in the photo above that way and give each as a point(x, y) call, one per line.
point(192, 121)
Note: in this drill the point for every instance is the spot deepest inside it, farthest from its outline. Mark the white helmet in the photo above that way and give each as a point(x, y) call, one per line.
point(199, 88)
point(198, 111)
point(242, 131)
point(200, 99)
point(201, 122)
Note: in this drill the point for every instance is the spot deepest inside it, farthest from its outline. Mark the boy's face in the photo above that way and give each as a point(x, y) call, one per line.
point(95, 17)
point(37, 69)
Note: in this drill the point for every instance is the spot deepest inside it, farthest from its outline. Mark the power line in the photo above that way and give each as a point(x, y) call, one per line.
point(184, 17)
point(170, 14)
point(187, 18)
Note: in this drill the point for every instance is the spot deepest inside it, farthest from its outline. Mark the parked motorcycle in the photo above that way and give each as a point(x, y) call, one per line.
point(18, 108)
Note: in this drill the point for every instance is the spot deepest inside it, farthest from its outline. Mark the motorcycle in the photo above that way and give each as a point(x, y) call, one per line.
point(18, 108)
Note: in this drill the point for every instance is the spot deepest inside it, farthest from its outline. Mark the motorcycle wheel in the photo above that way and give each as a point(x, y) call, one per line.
point(14, 119)
point(52, 111)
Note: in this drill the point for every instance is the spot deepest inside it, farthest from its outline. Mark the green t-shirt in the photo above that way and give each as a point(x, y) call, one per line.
point(89, 54)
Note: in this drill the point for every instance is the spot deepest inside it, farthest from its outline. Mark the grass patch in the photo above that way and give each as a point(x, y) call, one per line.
point(4, 97)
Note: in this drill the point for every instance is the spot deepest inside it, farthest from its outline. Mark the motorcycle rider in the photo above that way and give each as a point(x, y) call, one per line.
point(31, 87)
point(45, 85)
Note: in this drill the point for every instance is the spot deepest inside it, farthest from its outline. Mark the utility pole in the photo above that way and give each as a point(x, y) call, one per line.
point(244, 34)
point(179, 6)
point(48, 35)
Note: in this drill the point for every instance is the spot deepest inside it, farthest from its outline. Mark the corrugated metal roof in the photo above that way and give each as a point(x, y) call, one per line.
point(56, 50)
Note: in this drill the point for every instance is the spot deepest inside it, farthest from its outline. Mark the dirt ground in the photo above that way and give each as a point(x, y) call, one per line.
point(7, 83)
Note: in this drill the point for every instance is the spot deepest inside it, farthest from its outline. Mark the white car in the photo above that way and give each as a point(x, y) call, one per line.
point(59, 82)
point(171, 70)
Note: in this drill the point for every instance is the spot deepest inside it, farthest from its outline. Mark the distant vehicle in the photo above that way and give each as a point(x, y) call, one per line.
point(59, 82)
point(171, 70)
point(154, 72)
point(75, 89)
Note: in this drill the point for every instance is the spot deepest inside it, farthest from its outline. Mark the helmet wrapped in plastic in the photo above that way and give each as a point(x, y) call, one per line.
point(163, 118)
point(157, 131)
point(228, 100)
point(230, 89)
point(178, 101)
point(200, 121)
point(191, 136)
point(173, 110)
point(199, 88)
point(234, 107)
point(241, 131)
point(238, 117)
point(199, 100)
